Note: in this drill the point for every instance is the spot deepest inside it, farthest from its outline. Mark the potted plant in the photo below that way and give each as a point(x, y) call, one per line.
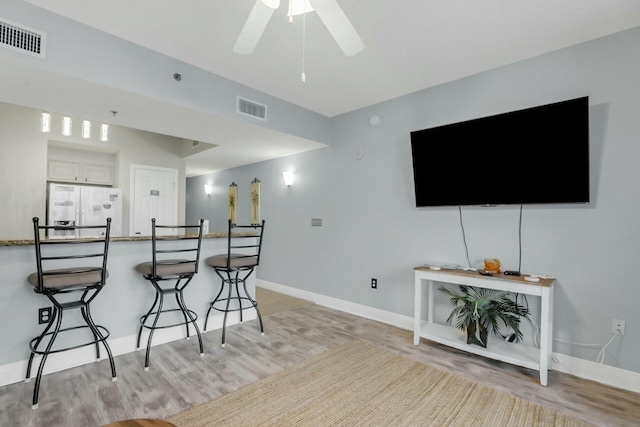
point(479, 310)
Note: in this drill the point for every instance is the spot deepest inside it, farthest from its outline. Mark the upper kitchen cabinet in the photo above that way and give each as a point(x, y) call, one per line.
point(80, 173)
point(66, 164)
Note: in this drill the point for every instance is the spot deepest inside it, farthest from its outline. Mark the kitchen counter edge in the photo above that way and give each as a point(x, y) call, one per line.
point(26, 242)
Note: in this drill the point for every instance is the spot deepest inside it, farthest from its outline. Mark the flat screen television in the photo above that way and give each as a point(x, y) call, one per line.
point(538, 155)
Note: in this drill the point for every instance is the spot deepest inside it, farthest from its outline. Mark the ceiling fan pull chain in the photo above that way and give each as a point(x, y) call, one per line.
point(303, 77)
point(290, 11)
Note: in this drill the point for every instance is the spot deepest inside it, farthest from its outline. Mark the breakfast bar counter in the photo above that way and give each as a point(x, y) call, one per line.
point(23, 242)
point(124, 299)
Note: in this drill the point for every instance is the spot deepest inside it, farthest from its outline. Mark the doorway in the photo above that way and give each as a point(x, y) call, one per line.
point(154, 194)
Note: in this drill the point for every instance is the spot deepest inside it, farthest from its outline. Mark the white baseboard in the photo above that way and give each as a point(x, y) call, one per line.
point(605, 374)
point(389, 318)
point(15, 372)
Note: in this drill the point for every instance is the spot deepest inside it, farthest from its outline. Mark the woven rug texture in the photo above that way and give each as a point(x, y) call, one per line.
point(360, 384)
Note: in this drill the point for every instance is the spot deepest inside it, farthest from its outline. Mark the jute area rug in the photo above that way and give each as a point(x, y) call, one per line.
point(270, 302)
point(359, 384)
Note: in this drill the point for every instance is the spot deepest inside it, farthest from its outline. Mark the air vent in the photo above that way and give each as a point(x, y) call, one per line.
point(22, 39)
point(252, 109)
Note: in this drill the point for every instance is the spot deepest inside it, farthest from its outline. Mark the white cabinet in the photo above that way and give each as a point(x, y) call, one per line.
point(518, 354)
point(79, 173)
point(96, 174)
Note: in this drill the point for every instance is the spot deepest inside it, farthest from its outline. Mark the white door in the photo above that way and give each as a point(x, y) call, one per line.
point(154, 195)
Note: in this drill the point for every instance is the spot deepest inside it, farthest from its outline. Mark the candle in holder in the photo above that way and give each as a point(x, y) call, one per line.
point(492, 265)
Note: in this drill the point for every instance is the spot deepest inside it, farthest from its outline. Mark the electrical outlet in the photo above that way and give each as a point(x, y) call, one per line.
point(618, 325)
point(44, 315)
point(374, 283)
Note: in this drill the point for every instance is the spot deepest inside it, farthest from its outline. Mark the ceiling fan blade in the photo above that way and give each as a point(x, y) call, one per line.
point(338, 25)
point(254, 27)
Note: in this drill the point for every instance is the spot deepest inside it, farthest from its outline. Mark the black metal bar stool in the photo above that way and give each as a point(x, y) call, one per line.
point(244, 245)
point(70, 273)
point(164, 267)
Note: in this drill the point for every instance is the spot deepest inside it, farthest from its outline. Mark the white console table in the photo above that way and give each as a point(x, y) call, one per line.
point(520, 354)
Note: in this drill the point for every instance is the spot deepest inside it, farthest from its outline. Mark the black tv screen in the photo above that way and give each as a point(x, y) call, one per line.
point(538, 155)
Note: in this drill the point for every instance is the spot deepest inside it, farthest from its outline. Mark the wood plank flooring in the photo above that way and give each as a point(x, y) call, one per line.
point(272, 302)
point(179, 377)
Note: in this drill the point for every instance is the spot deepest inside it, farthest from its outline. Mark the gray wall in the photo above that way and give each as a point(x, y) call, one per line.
point(372, 228)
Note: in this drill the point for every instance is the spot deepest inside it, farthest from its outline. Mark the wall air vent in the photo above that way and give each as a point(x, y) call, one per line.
point(252, 109)
point(21, 38)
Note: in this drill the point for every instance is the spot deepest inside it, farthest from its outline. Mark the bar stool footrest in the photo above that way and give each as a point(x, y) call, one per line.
point(252, 304)
point(143, 319)
point(103, 331)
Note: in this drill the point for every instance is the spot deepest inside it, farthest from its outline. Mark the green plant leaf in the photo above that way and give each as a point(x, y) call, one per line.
point(491, 308)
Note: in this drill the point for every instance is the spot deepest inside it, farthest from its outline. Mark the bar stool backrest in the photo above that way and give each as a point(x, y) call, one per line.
point(176, 253)
point(69, 263)
point(244, 245)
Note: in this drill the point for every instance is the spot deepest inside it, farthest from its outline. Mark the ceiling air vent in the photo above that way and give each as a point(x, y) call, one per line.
point(252, 109)
point(21, 38)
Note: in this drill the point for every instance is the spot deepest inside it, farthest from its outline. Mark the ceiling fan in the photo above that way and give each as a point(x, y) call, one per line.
point(328, 11)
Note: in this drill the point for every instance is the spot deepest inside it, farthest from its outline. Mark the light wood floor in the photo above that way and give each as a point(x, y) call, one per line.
point(179, 377)
point(272, 302)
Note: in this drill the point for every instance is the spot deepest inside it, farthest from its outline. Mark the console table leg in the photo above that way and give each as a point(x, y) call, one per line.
point(546, 330)
point(417, 311)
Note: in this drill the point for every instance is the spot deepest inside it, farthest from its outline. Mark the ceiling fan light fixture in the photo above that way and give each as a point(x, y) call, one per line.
point(328, 11)
point(298, 7)
point(273, 4)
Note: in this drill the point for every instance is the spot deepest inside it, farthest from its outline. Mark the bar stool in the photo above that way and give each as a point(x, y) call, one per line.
point(234, 267)
point(164, 267)
point(70, 273)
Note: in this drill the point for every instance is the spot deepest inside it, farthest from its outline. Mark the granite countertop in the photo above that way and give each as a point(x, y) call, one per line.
point(26, 242)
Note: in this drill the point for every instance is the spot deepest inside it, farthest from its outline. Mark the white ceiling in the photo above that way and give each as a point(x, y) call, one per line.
point(410, 44)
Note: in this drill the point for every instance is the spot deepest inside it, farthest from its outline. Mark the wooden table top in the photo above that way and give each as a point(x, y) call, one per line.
point(542, 280)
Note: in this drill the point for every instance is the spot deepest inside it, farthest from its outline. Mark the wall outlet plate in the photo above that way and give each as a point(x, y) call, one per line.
point(618, 325)
point(44, 315)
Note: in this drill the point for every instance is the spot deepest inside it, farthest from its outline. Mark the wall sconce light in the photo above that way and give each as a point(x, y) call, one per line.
point(104, 132)
point(45, 126)
point(288, 178)
point(208, 188)
point(86, 129)
point(66, 126)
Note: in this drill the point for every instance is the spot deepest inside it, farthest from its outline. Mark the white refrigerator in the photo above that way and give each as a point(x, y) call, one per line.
point(83, 205)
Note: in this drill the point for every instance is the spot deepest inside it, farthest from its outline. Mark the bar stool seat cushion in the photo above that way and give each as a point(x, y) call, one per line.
point(67, 277)
point(237, 261)
point(168, 267)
